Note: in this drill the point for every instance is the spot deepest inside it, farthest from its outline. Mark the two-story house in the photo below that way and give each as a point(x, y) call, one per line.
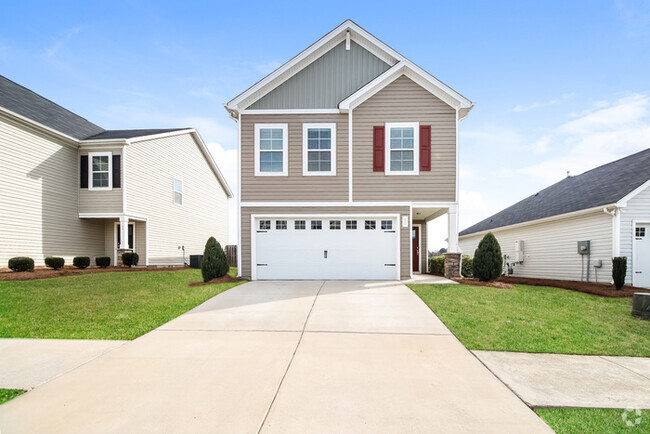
point(345, 153)
point(70, 188)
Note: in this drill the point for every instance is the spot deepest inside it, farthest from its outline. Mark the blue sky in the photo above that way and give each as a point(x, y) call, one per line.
point(558, 86)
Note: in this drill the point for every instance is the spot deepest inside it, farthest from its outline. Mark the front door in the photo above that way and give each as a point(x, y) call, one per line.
point(642, 255)
point(416, 248)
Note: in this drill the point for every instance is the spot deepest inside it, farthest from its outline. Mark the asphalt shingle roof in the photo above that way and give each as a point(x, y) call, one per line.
point(24, 102)
point(129, 134)
point(601, 186)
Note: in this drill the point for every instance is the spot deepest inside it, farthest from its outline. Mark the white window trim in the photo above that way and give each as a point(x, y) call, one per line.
point(305, 149)
point(416, 148)
point(285, 149)
point(90, 170)
point(174, 179)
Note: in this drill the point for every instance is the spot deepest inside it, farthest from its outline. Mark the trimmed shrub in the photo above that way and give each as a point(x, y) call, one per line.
point(21, 263)
point(214, 263)
point(130, 259)
point(619, 270)
point(488, 262)
point(54, 262)
point(103, 261)
point(437, 265)
point(467, 269)
point(81, 261)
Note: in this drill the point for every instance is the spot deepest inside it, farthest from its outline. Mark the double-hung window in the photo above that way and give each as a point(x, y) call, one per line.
point(318, 149)
point(178, 191)
point(402, 148)
point(100, 170)
point(271, 149)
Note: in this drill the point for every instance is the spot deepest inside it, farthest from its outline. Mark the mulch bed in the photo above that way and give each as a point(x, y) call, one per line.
point(476, 282)
point(593, 288)
point(69, 270)
point(224, 279)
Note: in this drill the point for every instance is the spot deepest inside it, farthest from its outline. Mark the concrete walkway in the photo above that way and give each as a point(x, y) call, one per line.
point(283, 357)
point(560, 380)
point(26, 363)
point(429, 279)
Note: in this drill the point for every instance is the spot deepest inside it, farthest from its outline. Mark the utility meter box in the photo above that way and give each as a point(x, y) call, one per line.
point(519, 251)
point(583, 247)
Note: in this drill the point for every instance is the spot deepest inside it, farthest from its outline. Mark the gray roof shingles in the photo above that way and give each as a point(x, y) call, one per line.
point(129, 134)
point(601, 186)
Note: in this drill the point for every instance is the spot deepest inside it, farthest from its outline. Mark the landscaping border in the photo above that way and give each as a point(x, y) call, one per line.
point(69, 270)
point(600, 289)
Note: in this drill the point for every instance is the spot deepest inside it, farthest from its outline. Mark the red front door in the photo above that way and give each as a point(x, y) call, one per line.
point(416, 248)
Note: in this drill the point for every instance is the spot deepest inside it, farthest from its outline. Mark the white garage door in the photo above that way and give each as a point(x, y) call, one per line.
point(642, 255)
point(363, 248)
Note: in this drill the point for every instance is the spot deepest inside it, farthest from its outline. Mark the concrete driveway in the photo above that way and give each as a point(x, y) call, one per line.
point(283, 357)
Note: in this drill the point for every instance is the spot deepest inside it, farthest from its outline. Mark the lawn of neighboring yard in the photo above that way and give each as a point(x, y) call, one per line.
point(594, 420)
point(538, 319)
point(100, 305)
point(9, 394)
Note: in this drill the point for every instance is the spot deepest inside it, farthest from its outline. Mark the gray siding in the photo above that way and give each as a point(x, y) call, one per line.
point(39, 184)
point(637, 209)
point(101, 201)
point(405, 101)
point(245, 227)
point(327, 81)
point(550, 248)
point(295, 186)
point(150, 167)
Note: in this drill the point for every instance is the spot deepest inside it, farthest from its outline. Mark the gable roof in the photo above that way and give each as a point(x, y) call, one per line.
point(129, 134)
point(24, 102)
point(354, 32)
point(604, 185)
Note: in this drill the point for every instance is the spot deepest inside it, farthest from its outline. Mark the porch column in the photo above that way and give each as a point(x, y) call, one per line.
point(124, 233)
point(452, 240)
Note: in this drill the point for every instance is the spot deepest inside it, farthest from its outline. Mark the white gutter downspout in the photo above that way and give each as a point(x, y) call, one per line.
point(616, 230)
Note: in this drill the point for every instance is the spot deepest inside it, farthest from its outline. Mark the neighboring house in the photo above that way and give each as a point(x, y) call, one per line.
point(608, 206)
point(70, 188)
point(346, 152)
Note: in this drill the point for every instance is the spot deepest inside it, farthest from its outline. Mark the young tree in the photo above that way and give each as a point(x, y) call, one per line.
point(488, 262)
point(619, 270)
point(214, 263)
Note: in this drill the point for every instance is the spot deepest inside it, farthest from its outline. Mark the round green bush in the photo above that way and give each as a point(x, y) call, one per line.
point(437, 265)
point(467, 269)
point(214, 263)
point(21, 263)
point(103, 261)
point(130, 259)
point(54, 262)
point(81, 261)
point(488, 262)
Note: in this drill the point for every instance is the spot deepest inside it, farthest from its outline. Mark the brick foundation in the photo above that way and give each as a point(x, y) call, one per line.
point(452, 265)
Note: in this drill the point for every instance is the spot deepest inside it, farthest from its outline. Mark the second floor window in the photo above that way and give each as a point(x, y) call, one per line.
point(402, 150)
point(271, 149)
point(178, 191)
point(100, 170)
point(319, 149)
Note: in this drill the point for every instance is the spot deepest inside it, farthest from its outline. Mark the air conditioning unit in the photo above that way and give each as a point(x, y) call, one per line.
point(518, 255)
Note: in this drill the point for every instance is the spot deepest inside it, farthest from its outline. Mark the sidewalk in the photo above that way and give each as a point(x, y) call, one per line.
point(561, 380)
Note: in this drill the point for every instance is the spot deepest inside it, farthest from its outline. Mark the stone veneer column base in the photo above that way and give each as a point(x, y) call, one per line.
point(120, 252)
point(452, 265)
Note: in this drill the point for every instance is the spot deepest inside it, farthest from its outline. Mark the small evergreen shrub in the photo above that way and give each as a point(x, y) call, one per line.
point(130, 259)
point(437, 265)
point(467, 269)
point(488, 262)
point(81, 261)
point(619, 270)
point(214, 263)
point(21, 263)
point(103, 261)
point(54, 262)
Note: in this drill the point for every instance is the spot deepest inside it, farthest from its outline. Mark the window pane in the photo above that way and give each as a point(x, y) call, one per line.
point(350, 224)
point(299, 224)
point(402, 138)
point(319, 138)
point(178, 185)
point(316, 224)
point(265, 133)
point(276, 133)
point(271, 161)
point(401, 161)
point(281, 224)
point(319, 161)
point(370, 224)
point(265, 225)
point(100, 163)
point(178, 198)
point(271, 138)
point(335, 224)
point(387, 224)
point(101, 179)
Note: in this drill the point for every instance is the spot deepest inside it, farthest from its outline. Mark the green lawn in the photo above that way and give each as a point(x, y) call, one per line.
point(538, 319)
point(9, 394)
point(111, 305)
point(594, 420)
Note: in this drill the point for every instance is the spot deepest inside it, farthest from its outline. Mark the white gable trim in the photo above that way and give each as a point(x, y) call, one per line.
point(623, 202)
point(415, 73)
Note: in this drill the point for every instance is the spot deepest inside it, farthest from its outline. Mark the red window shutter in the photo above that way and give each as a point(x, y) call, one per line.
point(378, 149)
point(425, 148)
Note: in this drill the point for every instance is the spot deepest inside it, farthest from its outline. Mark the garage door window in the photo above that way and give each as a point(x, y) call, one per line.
point(280, 224)
point(640, 232)
point(316, 225)
point(351, 224)
point(265, 225)
point(335, 225)
point(387, 225)
point(299, 225)
point(371, 224)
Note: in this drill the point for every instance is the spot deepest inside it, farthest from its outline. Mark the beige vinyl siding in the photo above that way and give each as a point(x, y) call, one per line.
point(39, 183)
point(150, 167)
point(405, 101)
point(295, 186)
point(101, 201)
point(109, 236)
point(638, 208)
point(550, 248)
point(246, 212)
